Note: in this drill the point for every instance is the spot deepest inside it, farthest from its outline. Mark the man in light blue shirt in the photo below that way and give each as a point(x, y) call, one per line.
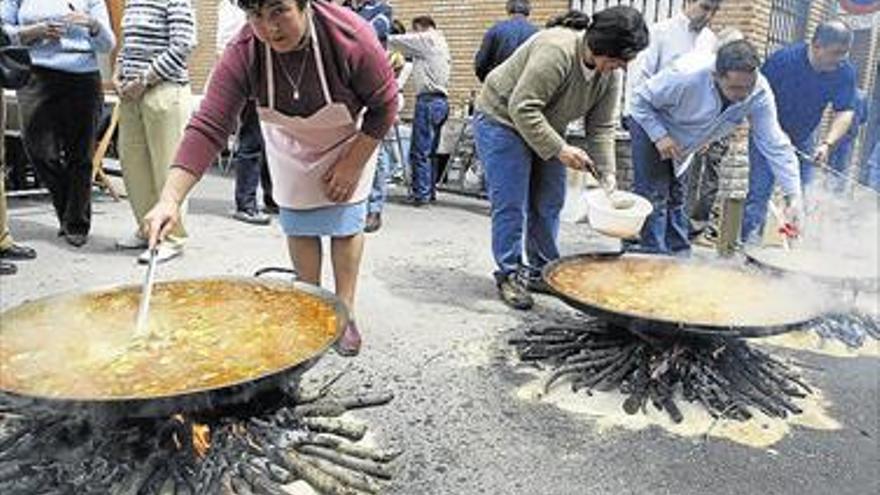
point(682, 109)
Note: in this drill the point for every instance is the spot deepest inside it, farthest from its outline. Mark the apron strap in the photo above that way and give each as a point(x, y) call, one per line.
point(319, 62)
point(270, 77)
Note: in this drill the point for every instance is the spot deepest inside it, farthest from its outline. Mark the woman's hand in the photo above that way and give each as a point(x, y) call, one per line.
point(160, 220)
point(341, 179)
point(51, 31)
point(134, 90)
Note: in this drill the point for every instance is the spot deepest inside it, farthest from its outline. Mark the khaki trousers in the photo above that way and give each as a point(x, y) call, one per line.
point(149, 132)
point(5, 237)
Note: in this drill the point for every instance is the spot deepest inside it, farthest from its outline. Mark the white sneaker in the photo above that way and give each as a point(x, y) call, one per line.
point(165, 253)
point(134, 241)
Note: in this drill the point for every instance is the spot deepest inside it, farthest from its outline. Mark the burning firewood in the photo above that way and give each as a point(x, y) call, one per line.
point(252, 449)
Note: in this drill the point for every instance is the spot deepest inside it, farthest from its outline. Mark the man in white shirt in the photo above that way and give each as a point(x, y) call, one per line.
point(247, 158)
point(670, 39)
point(686, 33)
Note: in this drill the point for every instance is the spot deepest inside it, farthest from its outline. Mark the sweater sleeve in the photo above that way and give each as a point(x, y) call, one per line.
point(182, 29)
point(373, 81)
point(217, 117)
point(538, 83)
point(601, 125)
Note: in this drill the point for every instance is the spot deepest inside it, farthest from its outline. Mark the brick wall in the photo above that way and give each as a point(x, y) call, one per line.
point(463, 22)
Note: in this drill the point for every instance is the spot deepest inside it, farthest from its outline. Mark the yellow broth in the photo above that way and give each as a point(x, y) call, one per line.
point(698, 294)
point(204, 334)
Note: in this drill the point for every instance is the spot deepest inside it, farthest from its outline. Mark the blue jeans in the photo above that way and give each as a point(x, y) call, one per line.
point(526, 195)
point(872, 177)
point(761, 181)
point(431, 111)
point(250, 164)
point(376, 201)
point(666, 229)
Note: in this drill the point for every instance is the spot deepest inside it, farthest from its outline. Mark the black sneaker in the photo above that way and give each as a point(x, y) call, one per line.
point(17, 252)
point(512, 292)
point(7, 268)
point(538, 286)
point(252, 217)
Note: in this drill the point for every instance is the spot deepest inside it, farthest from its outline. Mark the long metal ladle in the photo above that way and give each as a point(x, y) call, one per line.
point(142, 328)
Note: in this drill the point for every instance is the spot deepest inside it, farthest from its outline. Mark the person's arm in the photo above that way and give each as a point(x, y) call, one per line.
point(100, 31)
point(544, 73)
point(772, 142)
point(372, 81)
point(485, 55)
point(601, 125)
point(165, 214)
point(645, 65)
point(542, 76)
point(411, 44)
point(25, 35)
point(206, 134)
point(663, 92)
point(844, 104)
point(840, 125)
point(182, 42)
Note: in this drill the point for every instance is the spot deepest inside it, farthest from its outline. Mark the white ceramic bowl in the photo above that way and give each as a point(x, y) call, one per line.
point(621, 223)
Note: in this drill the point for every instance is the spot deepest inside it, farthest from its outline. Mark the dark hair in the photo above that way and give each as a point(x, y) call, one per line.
point(617, 32)
point(397, 27)
point(519, 7)
point(424, 21)
point(258, 4)
point(737, 56)
point(833, 32)
point(573, 19)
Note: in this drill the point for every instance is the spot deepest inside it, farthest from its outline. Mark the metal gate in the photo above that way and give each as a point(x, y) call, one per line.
point(653, 10)
point(788, 22)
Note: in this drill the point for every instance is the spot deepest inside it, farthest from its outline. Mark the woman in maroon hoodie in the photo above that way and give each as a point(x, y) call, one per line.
point(326, 96)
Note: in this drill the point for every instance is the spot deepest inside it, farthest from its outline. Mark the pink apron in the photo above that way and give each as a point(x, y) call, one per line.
point(300, 149)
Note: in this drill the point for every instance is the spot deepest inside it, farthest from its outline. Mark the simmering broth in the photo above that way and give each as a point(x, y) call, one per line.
point(204, 334)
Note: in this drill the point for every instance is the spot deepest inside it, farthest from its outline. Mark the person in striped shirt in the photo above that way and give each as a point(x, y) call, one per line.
point(152, 80)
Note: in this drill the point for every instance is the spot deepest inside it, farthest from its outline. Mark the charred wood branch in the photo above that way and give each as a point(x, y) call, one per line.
point(335, 408)
point(349, 430)
point(353, 449)
point(727, 377)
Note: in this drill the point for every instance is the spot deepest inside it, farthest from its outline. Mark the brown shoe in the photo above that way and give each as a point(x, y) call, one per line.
point(349, 345)
point(374, 222)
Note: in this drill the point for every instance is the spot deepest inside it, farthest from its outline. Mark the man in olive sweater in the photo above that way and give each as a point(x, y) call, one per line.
point(560, 75)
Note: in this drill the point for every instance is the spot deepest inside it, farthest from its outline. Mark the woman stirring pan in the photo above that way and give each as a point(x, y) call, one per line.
point(326, 96)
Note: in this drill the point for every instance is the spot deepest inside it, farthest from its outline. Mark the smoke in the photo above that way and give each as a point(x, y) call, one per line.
point(842, 219)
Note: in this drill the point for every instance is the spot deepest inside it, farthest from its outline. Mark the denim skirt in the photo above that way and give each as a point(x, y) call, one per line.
point(335, 221)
